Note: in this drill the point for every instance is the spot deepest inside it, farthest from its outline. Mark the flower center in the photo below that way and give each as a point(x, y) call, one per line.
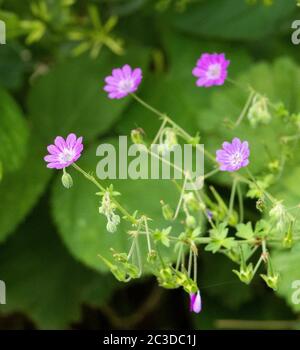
point(214, 71)
point(236, 159)
point(126, 85)
point(67, 155)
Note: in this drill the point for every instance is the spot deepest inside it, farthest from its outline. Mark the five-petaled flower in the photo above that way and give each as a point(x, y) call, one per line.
point(211, 69)
point(64, 152)
point(123, 82)
point(195, 302)
point(233, 156)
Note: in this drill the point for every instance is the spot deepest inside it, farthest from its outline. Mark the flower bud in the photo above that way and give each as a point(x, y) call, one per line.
point(195, 302)
point(67, 180)
point(260, 205)
point(259, 112)
point(137, 136)
point(190, 221)
point(190, 201)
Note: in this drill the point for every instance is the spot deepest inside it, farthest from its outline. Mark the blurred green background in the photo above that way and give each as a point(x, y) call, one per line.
point(52, 67)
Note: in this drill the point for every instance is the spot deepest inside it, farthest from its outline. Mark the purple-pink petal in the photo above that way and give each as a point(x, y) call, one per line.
point(64, 152)
point(123, 81)
point(195, 302)
point(233, 156)
point(211, 69)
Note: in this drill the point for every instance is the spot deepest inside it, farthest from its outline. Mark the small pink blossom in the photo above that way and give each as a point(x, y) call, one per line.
point(123, 81)
point(195, 302)
point(234, 155)
point(211, 69)
point(64, 152)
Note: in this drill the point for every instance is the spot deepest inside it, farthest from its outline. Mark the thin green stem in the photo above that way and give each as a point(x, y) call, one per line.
point(245, 109)
point(211, 173)
point(180, 199)
point(267, 194)
point(231, 201)
point(100, 187)
point(241, 203)
point(179, 256)
point(150, 108)
point(195, 267)
point(160, 131)
point(184, 134)
point(190, 262)
point(148, 235)
point(257, 265)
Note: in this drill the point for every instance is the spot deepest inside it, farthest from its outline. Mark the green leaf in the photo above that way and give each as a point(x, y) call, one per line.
point(70, 98)
point(83, 229)
point(287, 262)
point(219, 232)
point(21, 189)
point(13, 133)
point(245, 231)
point(12, 68)
point(235, 19)
point(256, 190)
point(162, 236)
point(42, 279)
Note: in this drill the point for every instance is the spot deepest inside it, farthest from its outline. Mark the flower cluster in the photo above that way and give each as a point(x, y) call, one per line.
point(227, 232)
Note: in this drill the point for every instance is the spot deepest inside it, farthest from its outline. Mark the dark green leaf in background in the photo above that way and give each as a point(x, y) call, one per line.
point(43, 281)
point(235, 19)
point(13, 133)
point(20, 190)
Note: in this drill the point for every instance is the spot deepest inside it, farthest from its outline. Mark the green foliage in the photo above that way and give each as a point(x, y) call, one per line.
point(81, 226)
point(49, 282)
point(279, 82)
point(12, 66)
point(43, 281)
point(20, 190)
point(286, 263)
point(13, 133)
point(234, 19)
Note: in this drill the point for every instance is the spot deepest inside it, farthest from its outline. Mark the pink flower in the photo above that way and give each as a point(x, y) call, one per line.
point(64, 152)
point(123, 81)
point(234, 155)
point(195, 302)
point(211, 69)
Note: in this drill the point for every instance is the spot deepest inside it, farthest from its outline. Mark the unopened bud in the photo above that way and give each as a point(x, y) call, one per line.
point(260, 205)
point(67, 180)
point(191, 222)
point(137, 136)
